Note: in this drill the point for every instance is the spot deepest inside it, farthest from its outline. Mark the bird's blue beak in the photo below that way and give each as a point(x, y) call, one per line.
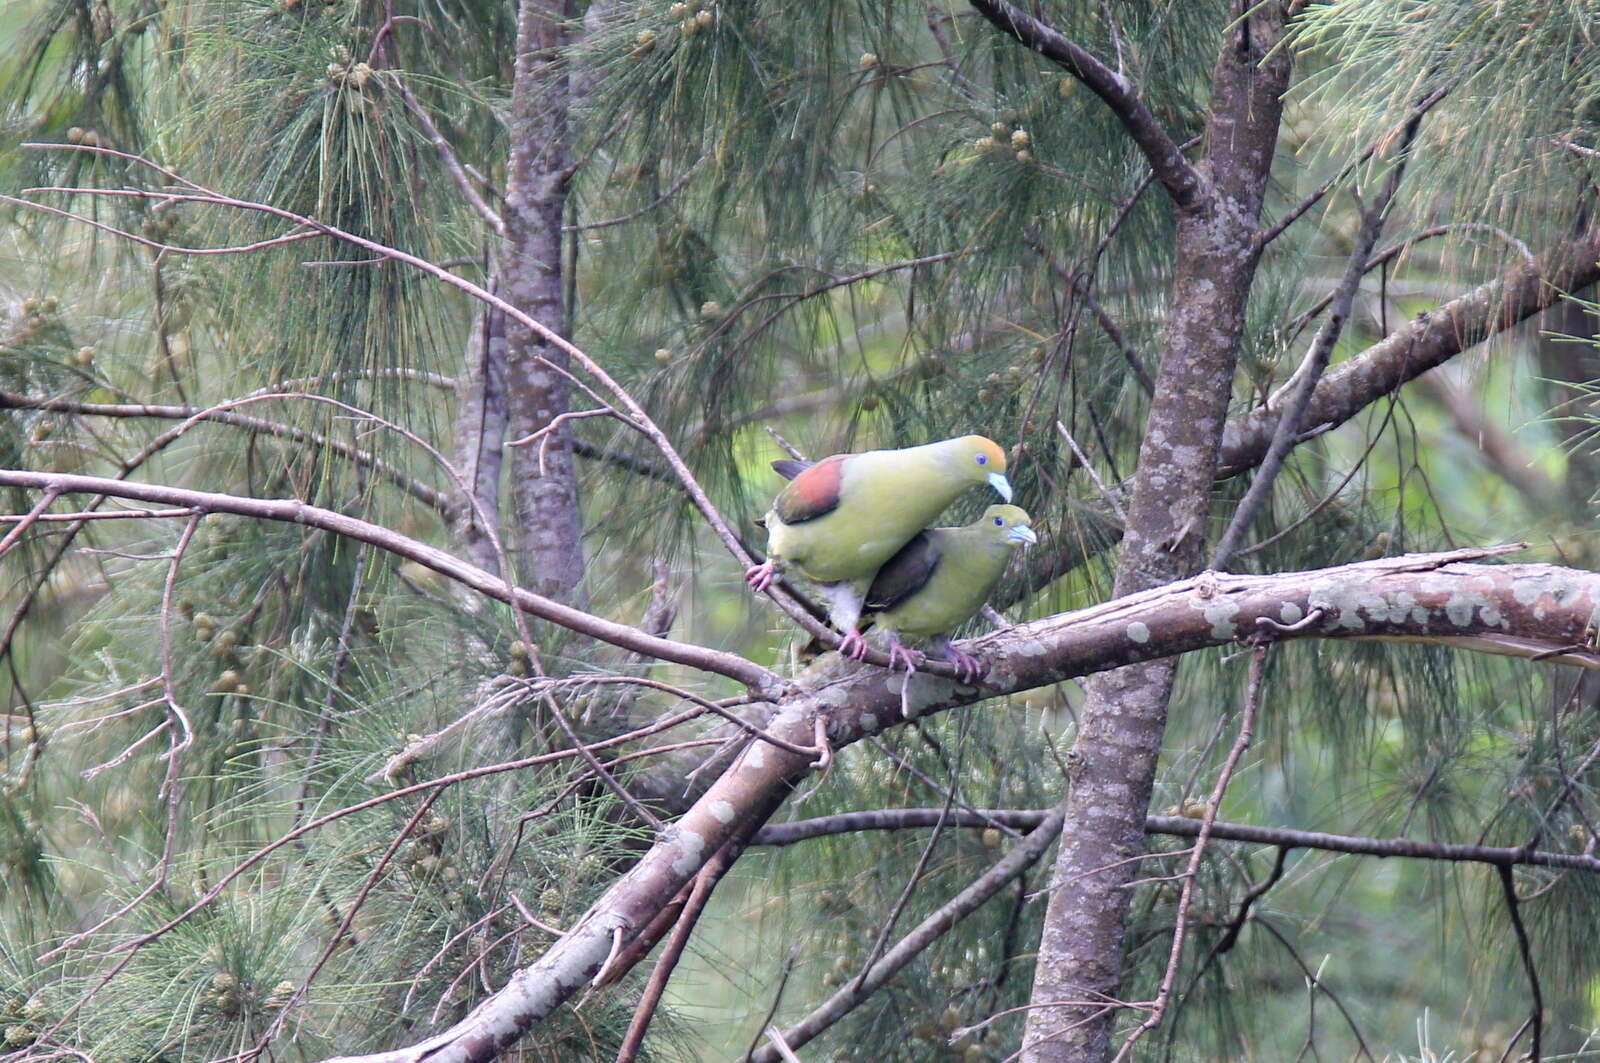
point(1022, 534)
point(1001, 485)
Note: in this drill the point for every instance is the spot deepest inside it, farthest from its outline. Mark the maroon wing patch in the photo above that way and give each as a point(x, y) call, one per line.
point(812, 493)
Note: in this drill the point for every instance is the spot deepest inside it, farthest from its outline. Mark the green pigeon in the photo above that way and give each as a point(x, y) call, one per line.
point(940, 579)
point(841, 518)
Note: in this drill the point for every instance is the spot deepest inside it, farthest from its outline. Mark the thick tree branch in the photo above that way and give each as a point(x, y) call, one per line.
point(1177, 174)
point(1432, 338)
point(545, 534)
point(1536, 611)
point(1119, 738)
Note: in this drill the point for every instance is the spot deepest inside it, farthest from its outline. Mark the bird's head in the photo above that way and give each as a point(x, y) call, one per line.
point(981, 459)
point(1008, 524)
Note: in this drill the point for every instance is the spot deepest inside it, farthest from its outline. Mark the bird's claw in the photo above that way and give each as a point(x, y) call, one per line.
point(968, 666)
point(760, 577)
point(900, 652)
point(853, 645)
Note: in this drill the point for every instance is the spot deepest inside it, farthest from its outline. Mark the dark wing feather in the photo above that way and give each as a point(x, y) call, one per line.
point(790, 469)
point(813, 492)
point(905, 573)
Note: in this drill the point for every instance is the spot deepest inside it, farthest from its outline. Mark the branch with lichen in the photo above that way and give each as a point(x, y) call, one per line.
point(1539, 612)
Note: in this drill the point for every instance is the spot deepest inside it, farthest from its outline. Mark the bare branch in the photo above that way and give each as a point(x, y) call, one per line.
point(1508, 888)
point(781, 834)
point(220, 415)
point(640, 418)
point(1023, 856)
point(1432, 338)
point(294, 511)
point(1186, 185)
point(1287, 430)
point(1247, 726)
point(1532, 610)
point(447, 156)
point(1293, 214)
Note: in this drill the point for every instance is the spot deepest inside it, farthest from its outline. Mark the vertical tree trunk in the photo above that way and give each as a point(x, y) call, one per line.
point(1114, 758)
point(545, 546)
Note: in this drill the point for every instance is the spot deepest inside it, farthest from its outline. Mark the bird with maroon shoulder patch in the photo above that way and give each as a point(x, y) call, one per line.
point(840, 519)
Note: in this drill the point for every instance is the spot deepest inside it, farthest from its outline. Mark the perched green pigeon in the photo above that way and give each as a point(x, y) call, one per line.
point(841, 518)
point(940, 579)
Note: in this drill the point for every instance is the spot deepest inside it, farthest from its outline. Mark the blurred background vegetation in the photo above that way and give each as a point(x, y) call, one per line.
point(858, 225)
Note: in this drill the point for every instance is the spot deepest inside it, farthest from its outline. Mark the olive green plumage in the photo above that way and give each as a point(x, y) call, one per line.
point(842, 518)
point(942, 578)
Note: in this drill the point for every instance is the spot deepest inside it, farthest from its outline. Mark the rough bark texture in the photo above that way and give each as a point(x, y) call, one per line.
point(544, 485)
point(1526, 610)
point(1539, 612)
point(1114, 757)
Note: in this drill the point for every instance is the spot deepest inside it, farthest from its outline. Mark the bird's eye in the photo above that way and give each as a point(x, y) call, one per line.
point(999, 522)
point(983, 459)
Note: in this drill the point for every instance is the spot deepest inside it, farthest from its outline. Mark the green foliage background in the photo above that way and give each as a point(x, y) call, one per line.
point(761, 159)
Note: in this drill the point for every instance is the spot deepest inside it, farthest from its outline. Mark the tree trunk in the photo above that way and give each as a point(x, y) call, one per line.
point(1114, 758)
point(544, 544)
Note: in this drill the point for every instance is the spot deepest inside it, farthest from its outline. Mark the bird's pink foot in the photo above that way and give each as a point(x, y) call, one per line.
point(760, 577)
point(900, 652)
point(854, 645)
point(969, 667)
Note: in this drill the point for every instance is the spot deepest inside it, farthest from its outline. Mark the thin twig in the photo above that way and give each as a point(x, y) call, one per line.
point(14, 536)
point(1508, 888)
point(447, 155)
point(671, 191)
point(1083, 459)
point(1247, 726)
point(1293, 214)
point(1287, 431)
point(704, 883)
point(1022, 856)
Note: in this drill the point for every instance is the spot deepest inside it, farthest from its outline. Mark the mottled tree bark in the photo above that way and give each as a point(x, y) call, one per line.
point(544, 542)
point(1114, 758)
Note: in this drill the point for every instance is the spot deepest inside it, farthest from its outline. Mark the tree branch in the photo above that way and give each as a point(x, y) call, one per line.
point(640, 420)
point(782, 834)
point(1432, 338)
point(969, 900)
point(1185, 183)
point(1537, 611)
point(1508, 887)
point(294, 511)
point(428, 496)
